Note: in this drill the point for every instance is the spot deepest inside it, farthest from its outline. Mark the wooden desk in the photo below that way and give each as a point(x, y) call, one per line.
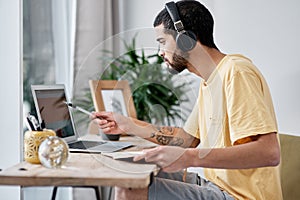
point(81, 169)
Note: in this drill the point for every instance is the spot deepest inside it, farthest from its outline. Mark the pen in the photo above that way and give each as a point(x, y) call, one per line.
point(43, 124)
point(184, 175)
point(29, 124)
point(33, 123)
point(78, 108)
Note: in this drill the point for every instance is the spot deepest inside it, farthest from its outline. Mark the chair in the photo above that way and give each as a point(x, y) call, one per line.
point(290, 166)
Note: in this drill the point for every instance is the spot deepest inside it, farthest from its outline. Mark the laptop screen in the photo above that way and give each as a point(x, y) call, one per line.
point(50, 106)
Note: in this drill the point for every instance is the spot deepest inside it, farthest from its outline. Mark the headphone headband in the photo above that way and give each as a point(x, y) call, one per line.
point(185, 40)
point(173, 12)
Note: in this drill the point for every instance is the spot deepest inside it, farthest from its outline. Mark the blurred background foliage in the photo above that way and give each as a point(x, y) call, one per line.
point(157, 94)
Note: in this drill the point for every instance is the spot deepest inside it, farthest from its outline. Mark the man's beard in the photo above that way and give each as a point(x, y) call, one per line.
point(179, 62)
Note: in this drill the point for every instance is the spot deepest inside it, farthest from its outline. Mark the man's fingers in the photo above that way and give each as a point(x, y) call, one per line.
point(139, 157)
point(100, 122)
point(150, 155)
point(108, 124)
point(102, 115)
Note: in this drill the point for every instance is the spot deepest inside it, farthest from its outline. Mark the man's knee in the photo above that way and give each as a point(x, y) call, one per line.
point(132, 194)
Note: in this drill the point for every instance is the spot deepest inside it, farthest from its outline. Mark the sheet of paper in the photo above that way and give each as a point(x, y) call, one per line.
point(123, 154)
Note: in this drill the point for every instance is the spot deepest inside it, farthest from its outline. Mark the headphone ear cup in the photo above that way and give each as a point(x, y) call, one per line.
point(186, 41)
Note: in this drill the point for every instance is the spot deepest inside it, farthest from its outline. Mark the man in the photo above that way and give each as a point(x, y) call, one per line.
point(231, 131)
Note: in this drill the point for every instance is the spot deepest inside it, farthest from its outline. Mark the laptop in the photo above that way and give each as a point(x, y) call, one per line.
point(49, 101)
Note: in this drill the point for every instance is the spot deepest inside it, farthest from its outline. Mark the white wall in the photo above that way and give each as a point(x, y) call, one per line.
point(138, 16)
point(10, 89)
point(266, 31)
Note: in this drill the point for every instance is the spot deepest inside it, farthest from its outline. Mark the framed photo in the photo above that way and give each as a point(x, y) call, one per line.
point(112, 95)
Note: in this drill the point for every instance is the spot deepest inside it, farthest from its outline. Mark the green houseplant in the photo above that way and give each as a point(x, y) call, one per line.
point(157, 96)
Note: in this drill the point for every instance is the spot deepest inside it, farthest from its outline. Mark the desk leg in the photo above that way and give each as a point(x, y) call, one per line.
point(97, 192)
point(54, 193)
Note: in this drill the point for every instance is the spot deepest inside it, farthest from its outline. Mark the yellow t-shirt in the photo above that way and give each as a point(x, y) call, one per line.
point(233, 104)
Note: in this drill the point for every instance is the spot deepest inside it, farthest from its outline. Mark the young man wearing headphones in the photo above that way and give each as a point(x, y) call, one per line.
point(231, 132)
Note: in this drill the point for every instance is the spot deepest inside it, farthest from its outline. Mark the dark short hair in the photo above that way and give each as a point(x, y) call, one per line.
point(194, 16)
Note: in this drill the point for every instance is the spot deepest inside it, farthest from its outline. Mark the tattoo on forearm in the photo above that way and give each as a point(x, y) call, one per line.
point(165, 136)
point(164, 140)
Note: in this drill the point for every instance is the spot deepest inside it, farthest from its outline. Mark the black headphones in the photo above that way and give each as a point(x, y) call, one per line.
point(185, 40)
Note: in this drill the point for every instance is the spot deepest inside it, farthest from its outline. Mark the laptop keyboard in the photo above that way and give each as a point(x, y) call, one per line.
point(84, 144)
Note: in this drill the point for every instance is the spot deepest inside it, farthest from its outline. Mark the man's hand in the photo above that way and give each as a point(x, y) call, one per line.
point(111, 123)
point(169, 158)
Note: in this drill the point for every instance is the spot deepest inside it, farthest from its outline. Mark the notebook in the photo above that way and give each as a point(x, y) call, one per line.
point(49, 101)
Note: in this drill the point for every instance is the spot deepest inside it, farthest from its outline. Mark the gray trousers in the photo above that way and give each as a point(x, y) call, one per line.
point(171, 186)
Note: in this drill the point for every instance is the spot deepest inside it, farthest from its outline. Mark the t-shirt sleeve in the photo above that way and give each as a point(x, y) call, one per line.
point(249, 109)
point(191, 126)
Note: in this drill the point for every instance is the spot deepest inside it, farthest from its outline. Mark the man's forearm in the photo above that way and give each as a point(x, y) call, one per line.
point(263, 152)
point(165, 135)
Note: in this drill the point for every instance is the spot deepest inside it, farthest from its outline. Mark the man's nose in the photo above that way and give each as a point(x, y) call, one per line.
point(161, 53)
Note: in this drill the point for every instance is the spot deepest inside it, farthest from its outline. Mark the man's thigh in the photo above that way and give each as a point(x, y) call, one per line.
point(170, 186)
point(180, 176)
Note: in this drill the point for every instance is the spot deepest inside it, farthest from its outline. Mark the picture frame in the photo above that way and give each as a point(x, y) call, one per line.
point(112, 95)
